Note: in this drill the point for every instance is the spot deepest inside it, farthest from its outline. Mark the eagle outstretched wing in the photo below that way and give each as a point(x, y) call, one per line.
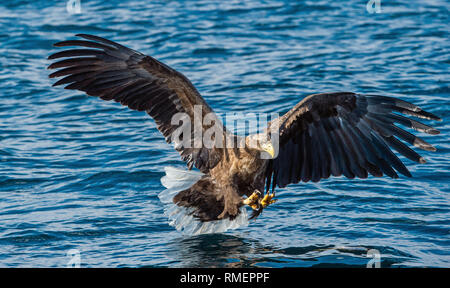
point(346, 134)
point(114, 72)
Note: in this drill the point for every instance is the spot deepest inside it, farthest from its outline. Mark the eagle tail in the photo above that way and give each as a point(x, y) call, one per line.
point(190, 205)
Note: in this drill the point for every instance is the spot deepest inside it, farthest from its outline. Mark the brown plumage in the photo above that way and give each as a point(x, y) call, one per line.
point(325, 134)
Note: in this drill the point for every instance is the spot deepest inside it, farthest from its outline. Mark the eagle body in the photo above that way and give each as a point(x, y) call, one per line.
point(219, 194)
point(324, 135)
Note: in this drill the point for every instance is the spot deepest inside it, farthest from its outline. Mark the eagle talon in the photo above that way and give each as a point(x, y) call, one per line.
point(253, 200)
point(267, 200)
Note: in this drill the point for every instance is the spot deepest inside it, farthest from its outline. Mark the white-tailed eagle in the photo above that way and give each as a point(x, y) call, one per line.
point(327, 134)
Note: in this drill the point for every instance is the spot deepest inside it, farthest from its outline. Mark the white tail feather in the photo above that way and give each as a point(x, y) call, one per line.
point(181, 218)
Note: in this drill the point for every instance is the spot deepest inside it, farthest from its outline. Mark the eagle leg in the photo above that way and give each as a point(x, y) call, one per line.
point(258, 203)
point(253, 200)
point(268, 199)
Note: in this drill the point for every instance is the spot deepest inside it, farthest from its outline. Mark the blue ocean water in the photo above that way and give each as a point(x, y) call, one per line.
point(80, 173)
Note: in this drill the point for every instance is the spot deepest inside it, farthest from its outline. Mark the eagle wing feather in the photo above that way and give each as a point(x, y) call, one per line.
point(346, 134)
point(111, 71)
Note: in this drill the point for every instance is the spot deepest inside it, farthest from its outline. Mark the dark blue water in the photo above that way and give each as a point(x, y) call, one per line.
point(80, 173)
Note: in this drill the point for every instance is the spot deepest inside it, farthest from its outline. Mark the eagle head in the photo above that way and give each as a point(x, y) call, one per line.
point(262, 143)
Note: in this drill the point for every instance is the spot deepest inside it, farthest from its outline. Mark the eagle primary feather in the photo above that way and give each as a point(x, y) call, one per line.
point(346, 134)
point(114, 72)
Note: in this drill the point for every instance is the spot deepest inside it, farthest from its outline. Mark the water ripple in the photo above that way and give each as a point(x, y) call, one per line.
point(79, 173)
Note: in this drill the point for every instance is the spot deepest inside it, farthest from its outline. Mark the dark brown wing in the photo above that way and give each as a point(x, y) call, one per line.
point(114, 72)
point(346, 134)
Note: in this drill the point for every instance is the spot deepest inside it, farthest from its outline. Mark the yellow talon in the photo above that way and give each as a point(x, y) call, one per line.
point(255, 201)
point(254, 206)
point(254, 197)
point(268, 199)
point(252, 201)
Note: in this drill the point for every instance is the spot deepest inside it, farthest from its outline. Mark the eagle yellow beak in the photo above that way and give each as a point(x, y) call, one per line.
point(269, 149)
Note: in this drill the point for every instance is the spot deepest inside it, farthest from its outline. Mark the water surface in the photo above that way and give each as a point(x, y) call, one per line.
point(80, 173)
